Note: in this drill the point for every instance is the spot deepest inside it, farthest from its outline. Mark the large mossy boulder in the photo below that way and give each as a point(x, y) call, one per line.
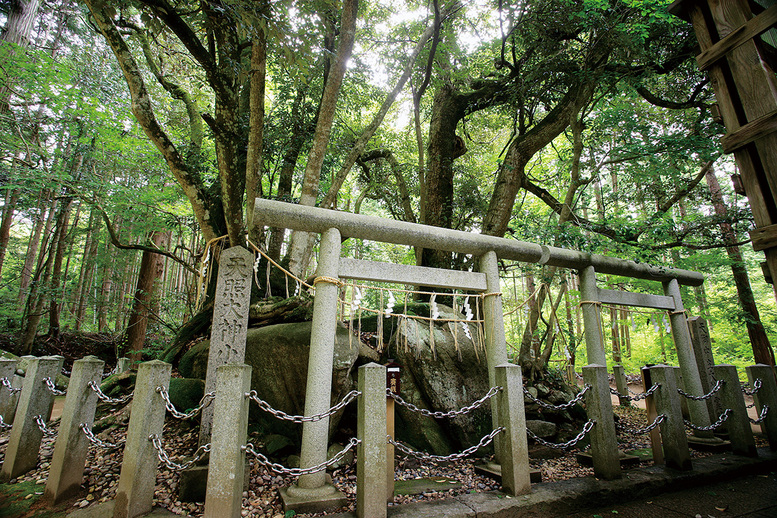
point(278, 356)
point(442, 371)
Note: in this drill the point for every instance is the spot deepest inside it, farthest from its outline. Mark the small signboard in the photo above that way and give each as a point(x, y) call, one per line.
point(392, 376)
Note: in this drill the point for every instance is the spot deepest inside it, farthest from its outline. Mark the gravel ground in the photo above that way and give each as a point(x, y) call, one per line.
point(262, 500)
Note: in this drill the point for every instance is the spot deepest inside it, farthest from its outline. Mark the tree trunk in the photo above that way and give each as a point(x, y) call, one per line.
point(11, 199)
point(300, 241)
point(88, 267)
point(21, 18)
point(149, 272)
point(256, 132)
point(32, 250)
point(59, 246)
point(762, 349)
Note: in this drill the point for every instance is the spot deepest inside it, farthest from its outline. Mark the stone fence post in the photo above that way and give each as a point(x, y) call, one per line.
point(226, 469)
point(604, 442)
point(7, 399)
point(72, 446)
point(739, 431)
point(135, 493)
point(21, 454)
point(766, 396)
point(513, 449)
point(667, 399)
point(371, 481)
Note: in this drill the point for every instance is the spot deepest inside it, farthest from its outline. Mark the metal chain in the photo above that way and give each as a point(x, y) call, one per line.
point(708, 395)
point(485, 441)
point(162, 454)
point(96, 440)
point(635, 397)
point(7, 384)
point(714, 425)
point(756, 387)
point(761, 417)
point(563, 406)
point(279, 414)
point(296, 472)
point(438, 414)
point(112, 372)
point(52, 388)
point(42, 425)
point(66, 372)
point(4, 426)
point(563, 446)
point(205, 401)
point(639, 431)
point(103, 397)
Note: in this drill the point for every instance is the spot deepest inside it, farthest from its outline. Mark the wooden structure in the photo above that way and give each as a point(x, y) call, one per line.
point(737, 39)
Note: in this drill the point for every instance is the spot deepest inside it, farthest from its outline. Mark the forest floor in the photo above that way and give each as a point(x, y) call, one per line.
point(22, 496)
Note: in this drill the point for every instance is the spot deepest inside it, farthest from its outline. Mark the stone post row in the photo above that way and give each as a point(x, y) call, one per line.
point(619, 374)
point(21, 454)
point(135, 493)
point(667, 400)
point(766, 395)
point(513, 448)
point(72, 446)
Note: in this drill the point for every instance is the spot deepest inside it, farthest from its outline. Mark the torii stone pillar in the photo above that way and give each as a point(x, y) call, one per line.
point(592, 317)
point(312, 493)
point(700, 416)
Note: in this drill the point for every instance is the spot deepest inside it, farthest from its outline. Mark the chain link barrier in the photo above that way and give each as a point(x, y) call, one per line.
point(636, 396)
point(722, 419)
point(279, 414)
point(103, 397)
point(4, 426)
point(96, 440)
point(639, 431)
point(42, 426)
point(563, 406)
point(756, 387)
point(7, 384)
point(587, 427)
point(296, 472)
point(438, 414)
point(708, 395)
point(52, 388)
point(205, 401)
point(761, 417)
point(485, 441)
point(162, 454)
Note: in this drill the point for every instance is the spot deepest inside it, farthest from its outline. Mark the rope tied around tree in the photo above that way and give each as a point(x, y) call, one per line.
point(280, 414)
point(329, 280)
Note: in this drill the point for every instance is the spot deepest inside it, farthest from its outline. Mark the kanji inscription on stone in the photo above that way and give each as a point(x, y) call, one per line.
point(230, 321)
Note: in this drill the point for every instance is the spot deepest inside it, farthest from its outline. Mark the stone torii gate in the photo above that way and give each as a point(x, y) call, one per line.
point(335, 225)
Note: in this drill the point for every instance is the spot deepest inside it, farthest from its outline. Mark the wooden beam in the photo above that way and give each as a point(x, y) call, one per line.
point(629, 298)
point(753, 28)
point(764, 237)
point(750, 132)
point(414, 275)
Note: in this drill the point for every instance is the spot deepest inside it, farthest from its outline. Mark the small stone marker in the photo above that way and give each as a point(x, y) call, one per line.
point(230, 322)
point(702, 350)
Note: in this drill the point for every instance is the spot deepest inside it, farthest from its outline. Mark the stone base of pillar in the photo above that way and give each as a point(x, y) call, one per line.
point(710, 444)
point(493, 471)
point(317, 500)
